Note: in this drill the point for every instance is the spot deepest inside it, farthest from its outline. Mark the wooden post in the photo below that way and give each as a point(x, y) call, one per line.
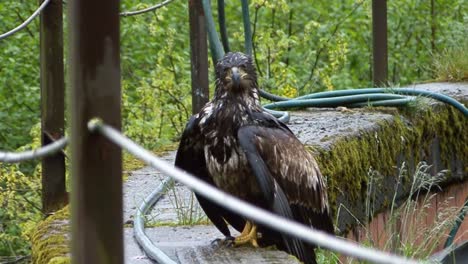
point(54, 195)
point(199, 56)
point(96, 162)
point(379, 42)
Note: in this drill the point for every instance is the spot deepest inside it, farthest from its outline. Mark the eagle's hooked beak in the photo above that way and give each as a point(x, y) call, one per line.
point(236, 77)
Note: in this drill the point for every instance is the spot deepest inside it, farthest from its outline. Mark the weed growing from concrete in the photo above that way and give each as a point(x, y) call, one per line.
point(188, 210)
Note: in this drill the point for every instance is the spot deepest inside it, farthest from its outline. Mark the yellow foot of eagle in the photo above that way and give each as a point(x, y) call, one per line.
point(249, 234)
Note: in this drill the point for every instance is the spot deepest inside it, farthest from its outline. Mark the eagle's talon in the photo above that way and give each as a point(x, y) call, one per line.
point(229, 242)
point(216, 242)
point(249, 234)
point(223, 242)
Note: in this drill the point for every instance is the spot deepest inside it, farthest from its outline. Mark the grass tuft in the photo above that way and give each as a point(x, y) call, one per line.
point(452, 63)
point(403, 233)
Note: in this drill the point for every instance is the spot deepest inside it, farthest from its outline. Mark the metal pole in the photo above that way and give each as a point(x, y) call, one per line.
point(96, 162)
point(379, 42)
point(54, 195)
point(199, 56)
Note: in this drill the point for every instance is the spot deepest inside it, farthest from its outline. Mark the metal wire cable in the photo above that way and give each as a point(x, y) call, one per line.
point(44, 151)
point(261, 216)
point(149, 9)
point(26, 22)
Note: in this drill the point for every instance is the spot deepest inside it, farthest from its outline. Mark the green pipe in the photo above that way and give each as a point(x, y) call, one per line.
point(391, 102)
point(247, 29)
point(333, 101)
point(272, 97)
point(215, 45)
point(302, 100)
point(402, 91)
point(283, 116)
point(222, 25)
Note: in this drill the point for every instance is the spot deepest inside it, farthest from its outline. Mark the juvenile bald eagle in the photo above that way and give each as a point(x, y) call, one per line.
point(233, 144)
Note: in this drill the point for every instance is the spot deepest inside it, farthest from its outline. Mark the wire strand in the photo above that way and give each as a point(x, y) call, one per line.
point(26, 22)
point(50, 149)
point(149, 9)
point(261, 216)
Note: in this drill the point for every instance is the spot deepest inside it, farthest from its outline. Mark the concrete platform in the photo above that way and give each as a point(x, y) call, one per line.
point(192, 244)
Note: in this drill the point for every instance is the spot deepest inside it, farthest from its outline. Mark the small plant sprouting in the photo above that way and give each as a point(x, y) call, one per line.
point(188, 210)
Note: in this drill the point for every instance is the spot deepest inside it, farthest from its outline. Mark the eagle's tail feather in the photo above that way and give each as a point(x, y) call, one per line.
point(294, 246)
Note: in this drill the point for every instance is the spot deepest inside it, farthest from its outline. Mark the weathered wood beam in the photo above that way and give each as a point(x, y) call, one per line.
point(54, 194)
point(96, 162)
point(379, 42)
point(199, 56)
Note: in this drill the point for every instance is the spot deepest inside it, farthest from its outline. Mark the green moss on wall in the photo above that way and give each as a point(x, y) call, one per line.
point(346, 165)
point(51, 238)
point(60, 260)
point(409, 138)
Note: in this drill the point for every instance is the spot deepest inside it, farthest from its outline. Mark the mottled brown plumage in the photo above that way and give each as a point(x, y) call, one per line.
point(243, 150)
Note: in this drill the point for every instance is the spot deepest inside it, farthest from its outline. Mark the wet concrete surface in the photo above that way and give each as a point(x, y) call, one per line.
point(193, 244)
point(458, 90)
point(322, 127)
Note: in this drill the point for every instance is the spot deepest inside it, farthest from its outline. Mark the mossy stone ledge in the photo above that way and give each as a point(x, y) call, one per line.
point(51, 239)
point(351, 142)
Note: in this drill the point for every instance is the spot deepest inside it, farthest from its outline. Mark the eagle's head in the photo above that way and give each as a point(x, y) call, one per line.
point(236, 76)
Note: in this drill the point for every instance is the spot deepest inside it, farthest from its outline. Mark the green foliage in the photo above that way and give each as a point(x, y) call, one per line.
point(298, 48)
point(451, 64)
point(20, 202)
point(329, 46)
point(19, 75)
point(156, 75)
